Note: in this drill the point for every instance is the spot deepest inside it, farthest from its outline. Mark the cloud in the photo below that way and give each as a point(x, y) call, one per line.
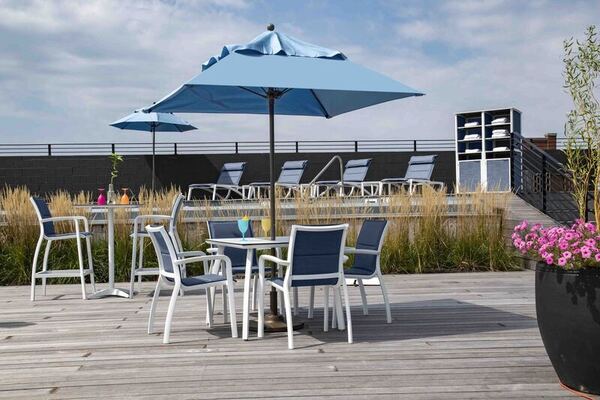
point(69, 68)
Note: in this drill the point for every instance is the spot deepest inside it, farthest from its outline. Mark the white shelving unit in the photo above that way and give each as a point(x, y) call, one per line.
point(483, 141)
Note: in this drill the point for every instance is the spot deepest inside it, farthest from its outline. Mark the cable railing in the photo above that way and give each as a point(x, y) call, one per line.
point(542, 180)
point(239, 147)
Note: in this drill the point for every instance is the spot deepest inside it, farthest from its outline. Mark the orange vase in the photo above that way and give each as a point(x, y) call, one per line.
point(124, 198)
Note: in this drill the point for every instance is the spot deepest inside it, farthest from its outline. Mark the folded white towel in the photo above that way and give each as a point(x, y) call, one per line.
point(472, 151)
point(472, 136)
point(471, 124)
point(499, 132)
point(501, 120)
point(501, 148)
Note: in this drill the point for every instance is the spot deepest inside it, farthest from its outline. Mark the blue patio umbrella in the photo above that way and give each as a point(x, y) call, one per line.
point(153, 122)
point(278, 74)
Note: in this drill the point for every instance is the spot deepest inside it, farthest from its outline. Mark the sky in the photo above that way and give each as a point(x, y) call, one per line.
point(70, 68)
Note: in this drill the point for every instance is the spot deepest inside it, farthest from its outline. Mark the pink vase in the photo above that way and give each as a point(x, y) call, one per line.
point(101, 198)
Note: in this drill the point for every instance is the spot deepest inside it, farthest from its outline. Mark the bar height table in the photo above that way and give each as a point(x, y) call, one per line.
point(110, 230)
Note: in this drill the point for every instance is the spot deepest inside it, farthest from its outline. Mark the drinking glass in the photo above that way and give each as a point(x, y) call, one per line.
point(125, 197)
point(243, 227)
point(265, 223)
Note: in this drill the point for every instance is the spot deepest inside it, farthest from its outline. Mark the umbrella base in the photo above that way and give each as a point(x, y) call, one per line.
point(274, 323)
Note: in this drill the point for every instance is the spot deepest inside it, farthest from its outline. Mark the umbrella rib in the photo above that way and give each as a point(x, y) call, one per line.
point(320, 104)
point(253, 92)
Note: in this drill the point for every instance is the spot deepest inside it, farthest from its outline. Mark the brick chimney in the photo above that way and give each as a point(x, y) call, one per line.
point(550, 141)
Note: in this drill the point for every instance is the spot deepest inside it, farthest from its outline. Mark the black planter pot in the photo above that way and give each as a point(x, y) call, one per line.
point(568, 314)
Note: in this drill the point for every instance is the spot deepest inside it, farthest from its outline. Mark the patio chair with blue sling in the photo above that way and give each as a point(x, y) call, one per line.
point(418, 174)
point(353, 178)
point(170, 265)
point(289, 180)
point(139, 234)
point(228, 182)
point(367, 261)
point(315, 258)
point(49, 234)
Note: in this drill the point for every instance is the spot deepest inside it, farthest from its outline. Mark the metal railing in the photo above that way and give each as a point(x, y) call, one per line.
point(174, 148)
point(541, 180)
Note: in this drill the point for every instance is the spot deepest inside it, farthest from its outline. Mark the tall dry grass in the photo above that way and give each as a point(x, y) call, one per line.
point(428, 232)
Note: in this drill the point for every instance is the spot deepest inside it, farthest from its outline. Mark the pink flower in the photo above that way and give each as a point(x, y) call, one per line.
point(563, 245)
point(598, 257)
point(569, 236)
point(590, 243)
point(567, 255)
point(562, 261)
point(586, 252)
point(550, 259)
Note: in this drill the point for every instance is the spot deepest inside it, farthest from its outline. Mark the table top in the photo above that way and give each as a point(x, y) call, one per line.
point(251, 242)
point(95, 205)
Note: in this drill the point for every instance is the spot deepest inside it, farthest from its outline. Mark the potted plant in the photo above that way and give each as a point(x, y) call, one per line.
point(567, 298)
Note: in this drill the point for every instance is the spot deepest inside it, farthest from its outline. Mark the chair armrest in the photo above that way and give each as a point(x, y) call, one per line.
point(212, 250)
point(193, 253)
point(154, 217)
point(276, 260)
point(353, 250)
point(73, 218)
point(190, 260)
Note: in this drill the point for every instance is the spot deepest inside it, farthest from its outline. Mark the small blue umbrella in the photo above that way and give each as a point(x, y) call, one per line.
point(279, 74)
point(153, 122)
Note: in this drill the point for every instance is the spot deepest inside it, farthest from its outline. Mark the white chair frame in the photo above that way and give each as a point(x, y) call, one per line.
point(176, 284)
point(287, 284)
point(138, 236)
point(359, 279)
point(71, 273)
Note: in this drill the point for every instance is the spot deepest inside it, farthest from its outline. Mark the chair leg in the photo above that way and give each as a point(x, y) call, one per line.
point(311, 302)
point(80, 258)
point(231, 300)
point(339, 313)
point(34, 266)
point(170, 312)
point(254, 287)
point(348, 316)
point(140, 261)
point(261, 305)
point(88, 244)
point(288, 318)
point(386, 300)
point(295, 294)
point(153, 306)
point(133, 261)
point(326, 309)
point(209, 308)
point(45, 264)
point(363, 296)
point(224, 297)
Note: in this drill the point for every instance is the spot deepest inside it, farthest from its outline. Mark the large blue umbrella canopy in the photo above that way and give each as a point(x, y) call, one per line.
point(153, 122)
point(279, 74)
point(310, 80)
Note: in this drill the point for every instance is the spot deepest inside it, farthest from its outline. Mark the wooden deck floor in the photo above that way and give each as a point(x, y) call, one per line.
point(454, 336)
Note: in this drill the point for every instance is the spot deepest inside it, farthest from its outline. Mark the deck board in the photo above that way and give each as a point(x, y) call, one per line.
point(454, 336)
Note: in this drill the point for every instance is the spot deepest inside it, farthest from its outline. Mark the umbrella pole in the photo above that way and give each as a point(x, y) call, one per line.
point(273, 321)
point(153, 146)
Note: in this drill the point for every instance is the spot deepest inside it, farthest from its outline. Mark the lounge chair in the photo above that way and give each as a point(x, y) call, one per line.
point(315, 258)
point(170, 265)
point(354, 175)
point(80, 230)
point(228, 181)
point(289, 180)
point(417, 174)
